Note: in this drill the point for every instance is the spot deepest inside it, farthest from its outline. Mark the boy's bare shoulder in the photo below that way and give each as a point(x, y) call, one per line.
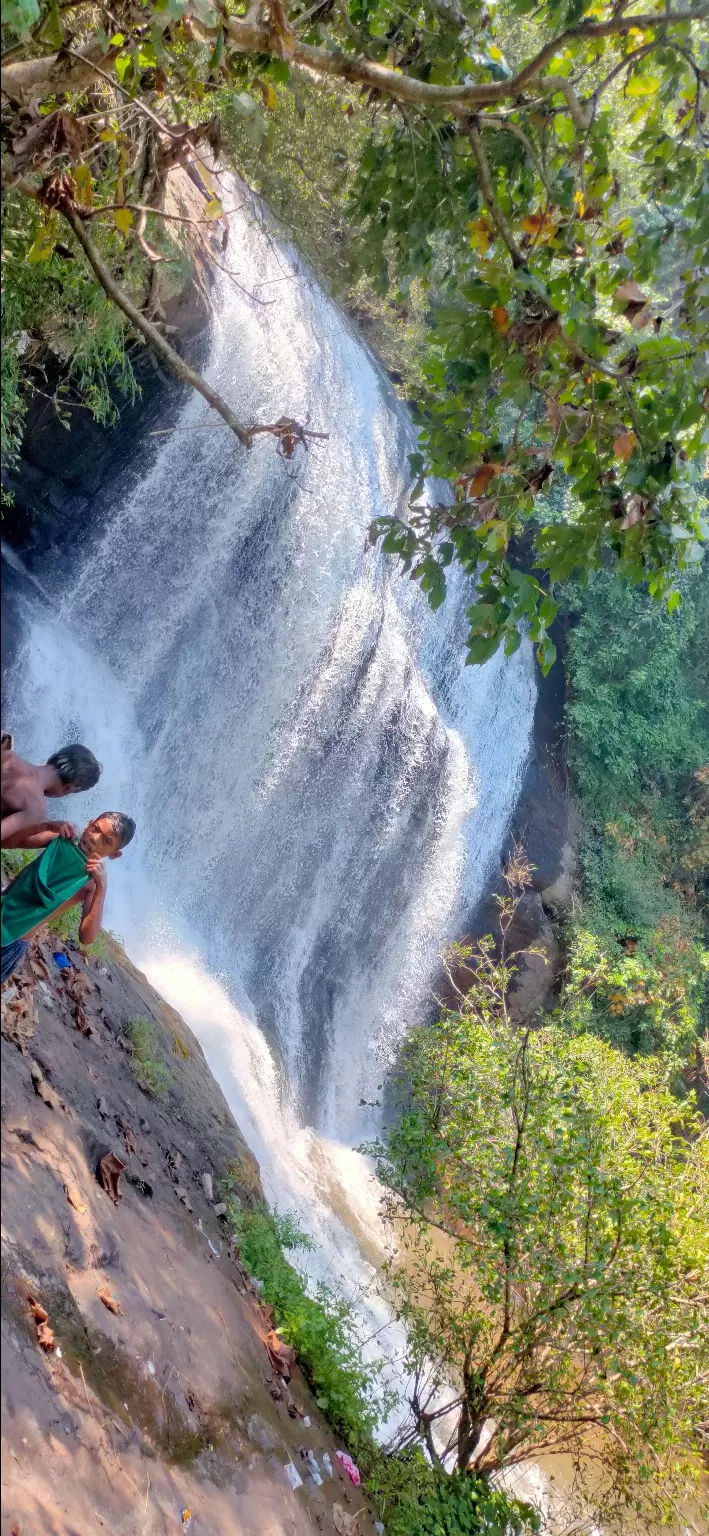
point(20, 782)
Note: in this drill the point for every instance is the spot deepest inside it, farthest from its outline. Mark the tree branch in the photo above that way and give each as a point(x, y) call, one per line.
point(247, 37)
point(493, 207)
point(150, 332)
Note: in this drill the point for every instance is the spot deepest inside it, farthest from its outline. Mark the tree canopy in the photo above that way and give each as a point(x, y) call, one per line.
point(540, 171)
point(551, 1197)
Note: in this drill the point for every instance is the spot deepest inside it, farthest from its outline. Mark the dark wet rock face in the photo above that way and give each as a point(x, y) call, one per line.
point(66, 464)
point(543, 826)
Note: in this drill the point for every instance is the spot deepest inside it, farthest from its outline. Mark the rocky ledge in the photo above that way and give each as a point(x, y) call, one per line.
point(144, 1390)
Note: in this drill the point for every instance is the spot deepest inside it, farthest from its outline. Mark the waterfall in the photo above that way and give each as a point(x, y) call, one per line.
point(320, 786)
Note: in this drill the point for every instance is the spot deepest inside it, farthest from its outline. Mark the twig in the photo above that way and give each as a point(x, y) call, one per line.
point(494, 209)
point(155, 340)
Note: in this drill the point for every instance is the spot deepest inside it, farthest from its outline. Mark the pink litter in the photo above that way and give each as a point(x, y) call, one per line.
point(349, 1467)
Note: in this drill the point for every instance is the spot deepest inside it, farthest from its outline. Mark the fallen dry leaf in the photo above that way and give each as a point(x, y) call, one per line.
point(345, 1525)
point(75, 1199)
point(78, 985)
point(110, 1169)
point(624, 444)
point(109, 1301)
point(281, 1356)
point(37, 1310)
point(43, 1089)
point(45, 1337)
point(19, 1014)
point(501, 319)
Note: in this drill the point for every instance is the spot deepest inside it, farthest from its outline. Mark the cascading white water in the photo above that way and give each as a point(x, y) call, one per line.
point(320, 786)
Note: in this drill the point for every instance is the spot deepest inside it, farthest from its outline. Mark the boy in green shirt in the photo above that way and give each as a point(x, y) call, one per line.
point(65, 873)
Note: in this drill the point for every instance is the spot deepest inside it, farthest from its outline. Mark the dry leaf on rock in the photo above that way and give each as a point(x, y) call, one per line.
point(281, 1356)
point(82, 1022)
point(19, 1015)
point(78, 985)
point(345, 1525)
point(110, 1169)
point(109, 1300)
point(45, 1337)
point(75, 1199)
point(43, 1089)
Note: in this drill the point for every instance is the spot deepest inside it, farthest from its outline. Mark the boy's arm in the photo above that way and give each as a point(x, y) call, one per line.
point(38, 834)
point(94, 896)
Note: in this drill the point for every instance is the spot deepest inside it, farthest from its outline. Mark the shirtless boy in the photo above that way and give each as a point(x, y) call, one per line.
point(24, 787)
point(62, 875)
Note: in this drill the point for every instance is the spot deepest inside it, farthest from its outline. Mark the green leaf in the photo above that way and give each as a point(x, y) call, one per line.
point(564, 128)
point(481, 648)
point(642, 85)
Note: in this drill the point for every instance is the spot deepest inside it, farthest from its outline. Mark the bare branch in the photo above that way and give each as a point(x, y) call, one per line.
point(150, 332)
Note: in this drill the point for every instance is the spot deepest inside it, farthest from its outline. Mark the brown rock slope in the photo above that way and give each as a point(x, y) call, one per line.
point(139, 1397)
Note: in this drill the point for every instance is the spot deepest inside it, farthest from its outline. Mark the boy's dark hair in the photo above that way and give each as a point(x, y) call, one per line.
point(123, 826)
point(76, 766)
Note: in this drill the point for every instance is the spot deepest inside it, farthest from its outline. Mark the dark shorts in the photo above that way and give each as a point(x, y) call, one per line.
point(11, 955)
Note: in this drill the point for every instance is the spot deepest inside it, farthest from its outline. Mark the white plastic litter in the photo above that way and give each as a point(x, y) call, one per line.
point(150, 1368)
point(306, 1422)
point(314, 1468)
point(293, 1475)
point(327, 1465)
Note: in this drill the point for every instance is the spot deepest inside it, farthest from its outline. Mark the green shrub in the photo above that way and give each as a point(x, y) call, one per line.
point(638, 708)
point(152, 1072)
point(414, 1499)
point(14, 859)
point(639, 736)
point(319, 1328)
point(646, 999)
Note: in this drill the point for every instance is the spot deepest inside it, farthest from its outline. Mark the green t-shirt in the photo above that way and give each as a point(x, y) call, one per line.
point(56, 874)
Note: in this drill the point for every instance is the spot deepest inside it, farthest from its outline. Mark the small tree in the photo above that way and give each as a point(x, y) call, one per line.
point(552, 1201)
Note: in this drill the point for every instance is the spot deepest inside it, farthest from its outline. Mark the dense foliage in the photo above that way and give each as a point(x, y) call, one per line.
point(538, 173)
point(552, 1200)
point(318, 1327)
point(638, 966)
point(416, 1499)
